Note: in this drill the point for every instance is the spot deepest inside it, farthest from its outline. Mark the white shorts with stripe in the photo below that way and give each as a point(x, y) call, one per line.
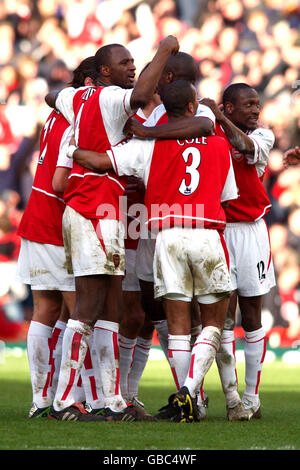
point(144, 259)
point(91, 251)
point(43, 267)
point(130, 281)
point(190, 262)
point(251, 265)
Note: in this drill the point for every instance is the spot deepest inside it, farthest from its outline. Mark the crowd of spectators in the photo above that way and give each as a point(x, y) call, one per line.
point(254, 41)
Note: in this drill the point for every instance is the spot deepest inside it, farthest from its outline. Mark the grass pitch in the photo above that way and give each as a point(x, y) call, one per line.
point(279, 428)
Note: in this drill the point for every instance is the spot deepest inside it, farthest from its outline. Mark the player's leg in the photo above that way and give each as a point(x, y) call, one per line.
point(226, 363)
point(57, 338)
point(132, 319)
point(255, 279)
point(255, 350)
point(46, 310)
point(153, 309)
point(88, 256)
point(106, 345)
point(90, 296)
point(140, 359)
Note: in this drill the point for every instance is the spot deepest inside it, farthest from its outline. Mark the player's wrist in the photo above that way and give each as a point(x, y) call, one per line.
point(71, 150)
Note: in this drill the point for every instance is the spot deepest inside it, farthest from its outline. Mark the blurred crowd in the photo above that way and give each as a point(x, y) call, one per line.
point(254, 41)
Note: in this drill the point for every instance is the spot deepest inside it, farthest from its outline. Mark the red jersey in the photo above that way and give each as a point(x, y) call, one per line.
point(253, 201)
point(97, 123)
point(42, 218)
point(186, 181)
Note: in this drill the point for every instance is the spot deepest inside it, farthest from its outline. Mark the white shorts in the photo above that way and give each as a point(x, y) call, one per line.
point(144, 259)
point(251, 265)
point(43, 267)
point(190, 262)
point(86, 254)
point(130, 281)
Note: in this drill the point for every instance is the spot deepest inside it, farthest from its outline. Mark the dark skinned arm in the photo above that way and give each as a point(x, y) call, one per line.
point(95, 161)
point(187, 128)
point(238, 139)
point(147, 82)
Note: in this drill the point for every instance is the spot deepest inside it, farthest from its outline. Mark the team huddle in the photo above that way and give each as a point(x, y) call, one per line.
point(146, 213)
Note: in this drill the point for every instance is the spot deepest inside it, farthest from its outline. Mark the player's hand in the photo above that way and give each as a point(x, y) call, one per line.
point(134, 127)
point(291, 157)
point(217, 110)
point(171, 44)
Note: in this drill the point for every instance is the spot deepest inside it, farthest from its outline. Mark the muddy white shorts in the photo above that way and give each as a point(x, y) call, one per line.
point(251, 265)
point(144, 259)
point(93, 249)
point(190, 262)
point(43, 267)
point(130, 281)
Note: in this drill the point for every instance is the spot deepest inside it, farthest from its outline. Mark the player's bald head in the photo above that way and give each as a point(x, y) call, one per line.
point(183, 67)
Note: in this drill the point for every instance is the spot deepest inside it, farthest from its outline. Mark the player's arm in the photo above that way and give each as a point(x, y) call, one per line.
point(60, 179)
point(291, 157)
point(182, 129)
point(95, 161)
point(238, 139)
point(147, 82)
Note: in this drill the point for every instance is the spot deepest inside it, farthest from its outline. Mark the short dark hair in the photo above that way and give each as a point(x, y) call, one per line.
point(232, 91)
point(87, 68)
point(103, 55)
point(183, 66)
point(176, 96)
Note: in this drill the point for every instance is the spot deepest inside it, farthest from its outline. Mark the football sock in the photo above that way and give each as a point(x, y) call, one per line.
point(74, 349)
point(140, 358)
point(39, 359)
point(126, 349)
point(202, 356)
point(56, 343)
point(162, 334)
point(255, 350)
point(179, 357)
point(226, 363)
point(107, 348)
point(90, 375)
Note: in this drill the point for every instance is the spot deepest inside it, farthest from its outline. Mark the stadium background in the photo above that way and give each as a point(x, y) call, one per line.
point(42, 41)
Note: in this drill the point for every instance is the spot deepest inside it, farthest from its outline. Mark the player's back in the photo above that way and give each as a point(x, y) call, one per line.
point(41, 221)
point(188, 175)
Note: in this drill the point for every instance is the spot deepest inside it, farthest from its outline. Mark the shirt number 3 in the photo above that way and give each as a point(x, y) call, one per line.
point(190, 183)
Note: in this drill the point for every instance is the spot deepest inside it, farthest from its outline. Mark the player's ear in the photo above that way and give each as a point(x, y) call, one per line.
point(170, 77)
point(88, 81)
point(104, 70)
point(228, 108)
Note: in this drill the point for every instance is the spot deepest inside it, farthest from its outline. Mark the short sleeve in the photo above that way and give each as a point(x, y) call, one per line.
point(63, 160)
point(230, 190)
point(206, 112)
point(133, 158)
point(64, 103)
point(115, 108)
point(263, 140)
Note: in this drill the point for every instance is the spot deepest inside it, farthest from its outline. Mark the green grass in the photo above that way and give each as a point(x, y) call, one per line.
point(279, 428)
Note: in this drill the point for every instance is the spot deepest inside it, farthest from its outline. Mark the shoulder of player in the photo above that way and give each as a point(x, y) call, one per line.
point(263, 133)
point(155, 116)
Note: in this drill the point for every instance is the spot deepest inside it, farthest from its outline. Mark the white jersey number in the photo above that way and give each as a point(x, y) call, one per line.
point(190, 184)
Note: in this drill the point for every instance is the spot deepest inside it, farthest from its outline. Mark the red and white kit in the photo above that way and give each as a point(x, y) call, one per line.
point(42, 260)
point(246, 233)
point(146, 246)
point(185, 185)
point(99, 115)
